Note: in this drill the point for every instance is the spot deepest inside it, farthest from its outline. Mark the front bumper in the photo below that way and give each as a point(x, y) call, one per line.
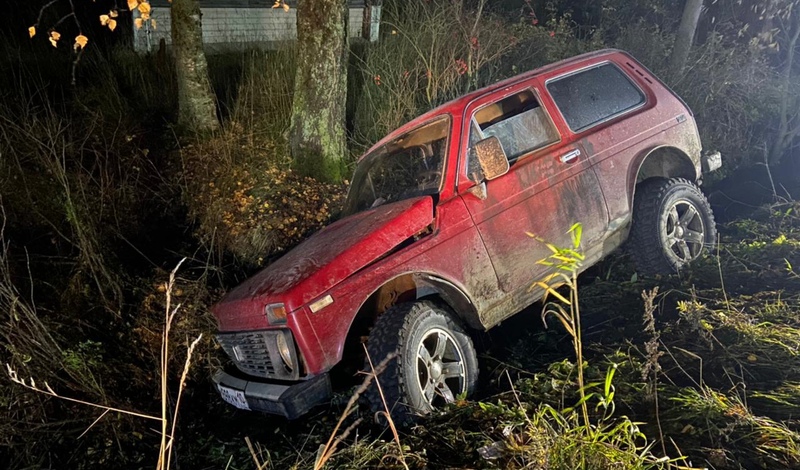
point(288, 400)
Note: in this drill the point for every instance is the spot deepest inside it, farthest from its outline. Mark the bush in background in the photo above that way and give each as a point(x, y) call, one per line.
point(432, 52)
point(247, 200)
point(731, 88)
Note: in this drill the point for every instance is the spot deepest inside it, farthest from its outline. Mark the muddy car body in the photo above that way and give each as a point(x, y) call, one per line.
point(434, 241)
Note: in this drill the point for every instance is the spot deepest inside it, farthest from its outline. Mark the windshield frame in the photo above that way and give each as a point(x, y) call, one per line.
point(350, 205)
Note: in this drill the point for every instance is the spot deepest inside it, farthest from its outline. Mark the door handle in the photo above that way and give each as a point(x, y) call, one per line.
point(570, 156)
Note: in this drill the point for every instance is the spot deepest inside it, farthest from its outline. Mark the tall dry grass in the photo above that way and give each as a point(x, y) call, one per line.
point(169, 412)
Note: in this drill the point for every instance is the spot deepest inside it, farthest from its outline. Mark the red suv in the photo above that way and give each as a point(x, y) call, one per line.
point(432, 245)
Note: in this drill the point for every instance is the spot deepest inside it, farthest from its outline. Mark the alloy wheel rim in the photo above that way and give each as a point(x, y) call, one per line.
point(685, 231)
point(441, 372)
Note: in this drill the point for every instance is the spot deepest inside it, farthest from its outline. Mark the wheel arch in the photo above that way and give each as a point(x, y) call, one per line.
point(409, 287)
point(664, 161)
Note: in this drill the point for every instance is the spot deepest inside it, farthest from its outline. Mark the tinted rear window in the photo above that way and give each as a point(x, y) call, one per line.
point(594, 95)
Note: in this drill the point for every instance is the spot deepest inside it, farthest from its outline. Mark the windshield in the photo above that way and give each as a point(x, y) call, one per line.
point(411, 165)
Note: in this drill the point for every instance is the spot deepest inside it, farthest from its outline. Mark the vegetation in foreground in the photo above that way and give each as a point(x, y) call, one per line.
point(698, 371)
point(702, 368)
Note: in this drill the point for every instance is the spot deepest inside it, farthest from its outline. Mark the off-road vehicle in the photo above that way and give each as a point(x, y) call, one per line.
point(433, 243)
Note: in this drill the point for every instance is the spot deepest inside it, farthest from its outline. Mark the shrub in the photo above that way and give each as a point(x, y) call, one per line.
point(730, 87)
point(262, 107)
point(432, 52)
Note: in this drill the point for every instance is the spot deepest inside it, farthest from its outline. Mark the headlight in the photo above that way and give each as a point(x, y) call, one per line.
point(276, 314)
point(284, 351)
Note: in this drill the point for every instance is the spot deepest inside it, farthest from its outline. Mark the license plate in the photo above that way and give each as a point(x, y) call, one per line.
point(234, 397)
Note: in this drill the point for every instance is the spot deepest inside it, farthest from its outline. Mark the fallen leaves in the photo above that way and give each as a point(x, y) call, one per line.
point(256, 210)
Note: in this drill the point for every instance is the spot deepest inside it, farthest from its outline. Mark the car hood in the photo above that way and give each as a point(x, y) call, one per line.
point(323, 260)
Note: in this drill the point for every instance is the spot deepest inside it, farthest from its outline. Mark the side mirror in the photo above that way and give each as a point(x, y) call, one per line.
point(492, 158)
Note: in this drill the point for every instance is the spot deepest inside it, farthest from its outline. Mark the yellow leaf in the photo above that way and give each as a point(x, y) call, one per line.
point(113, 13)
point(138, 23)
point(560, 297)
point(285, 7)
point(103, 20)
point(153, 24)
point(54, 37)
point(144, 8)
point(32, 31)
point(80, 42)
point(277, 4)
point(112, 24)
point(132, 4)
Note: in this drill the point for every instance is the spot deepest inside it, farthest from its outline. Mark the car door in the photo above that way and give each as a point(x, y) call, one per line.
point(549, 186)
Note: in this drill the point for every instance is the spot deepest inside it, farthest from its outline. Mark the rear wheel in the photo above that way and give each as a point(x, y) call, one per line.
point(435, 360)
point(672, 225)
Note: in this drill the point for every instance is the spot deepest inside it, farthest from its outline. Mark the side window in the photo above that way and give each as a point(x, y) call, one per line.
point(594, 95)
point(518, 121)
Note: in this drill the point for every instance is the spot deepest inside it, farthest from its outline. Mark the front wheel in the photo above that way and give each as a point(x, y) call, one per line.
point(435, 360)
point(672, 225)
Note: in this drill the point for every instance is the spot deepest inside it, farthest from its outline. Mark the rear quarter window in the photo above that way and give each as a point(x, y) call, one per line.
point(594, 95)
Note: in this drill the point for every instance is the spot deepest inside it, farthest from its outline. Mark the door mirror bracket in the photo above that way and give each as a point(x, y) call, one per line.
point(479, 191)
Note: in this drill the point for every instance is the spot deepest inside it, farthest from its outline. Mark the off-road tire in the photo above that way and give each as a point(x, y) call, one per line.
point(400, 331)
point(651, 246)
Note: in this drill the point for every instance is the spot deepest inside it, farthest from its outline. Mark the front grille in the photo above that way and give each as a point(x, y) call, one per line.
point(255, 353)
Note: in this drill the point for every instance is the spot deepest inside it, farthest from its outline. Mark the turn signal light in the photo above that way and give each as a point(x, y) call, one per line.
point(276, 314)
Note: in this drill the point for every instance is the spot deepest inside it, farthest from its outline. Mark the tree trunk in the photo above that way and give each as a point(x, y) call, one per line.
point(197, 109)
point(768, 15)
point(788, 126)
point(686, 30)
point(317, 133)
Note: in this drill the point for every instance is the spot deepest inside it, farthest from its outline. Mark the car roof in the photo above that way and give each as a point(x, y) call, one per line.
point(462, 101)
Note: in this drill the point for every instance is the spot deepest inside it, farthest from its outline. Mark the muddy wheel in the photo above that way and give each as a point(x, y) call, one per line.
point(672, 225)
point(435, 360)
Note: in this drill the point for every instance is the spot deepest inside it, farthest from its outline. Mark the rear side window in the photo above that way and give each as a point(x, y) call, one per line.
point(592, 96)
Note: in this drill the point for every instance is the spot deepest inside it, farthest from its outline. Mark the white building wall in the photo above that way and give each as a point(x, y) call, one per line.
point(235, 27)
